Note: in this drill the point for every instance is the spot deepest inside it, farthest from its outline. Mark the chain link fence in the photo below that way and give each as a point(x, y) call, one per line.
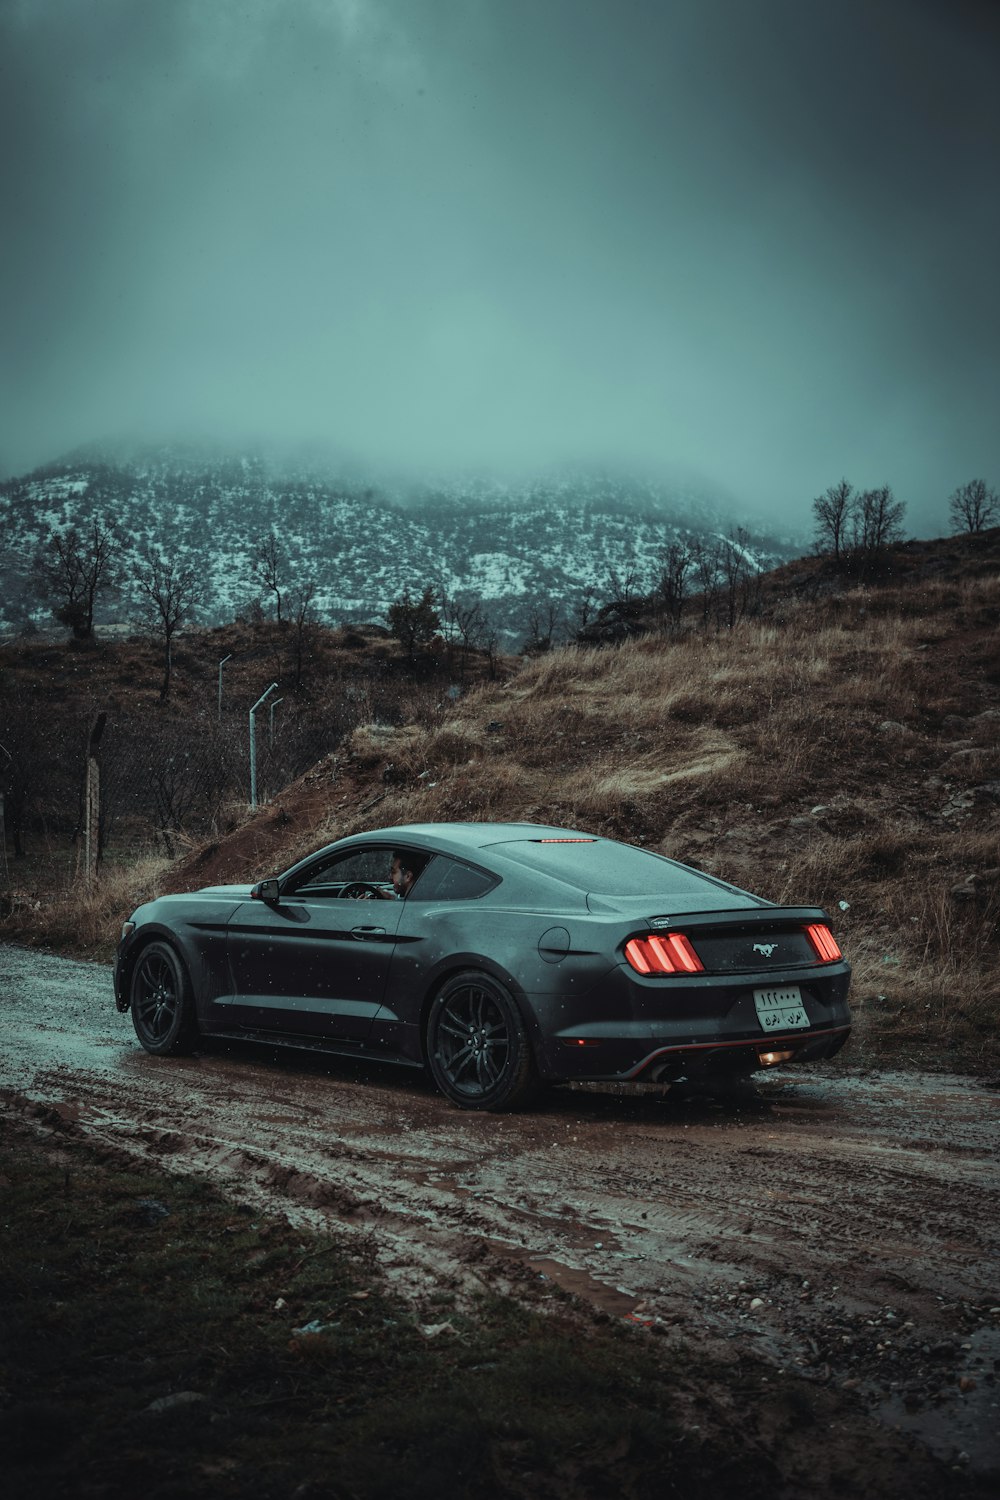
point(166, 780)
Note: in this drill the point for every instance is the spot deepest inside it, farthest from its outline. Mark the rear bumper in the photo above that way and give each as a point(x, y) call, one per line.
point(632, 1028)
point(614, 1060)
point(669, 1063)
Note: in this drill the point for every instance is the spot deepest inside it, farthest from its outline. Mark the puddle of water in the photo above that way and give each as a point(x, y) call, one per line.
point(958, 1422)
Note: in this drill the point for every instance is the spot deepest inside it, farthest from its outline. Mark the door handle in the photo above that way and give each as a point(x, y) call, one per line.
point(367, 932)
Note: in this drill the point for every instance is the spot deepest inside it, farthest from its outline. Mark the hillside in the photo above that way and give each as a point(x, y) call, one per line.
point(844, 751)
point(363, 539)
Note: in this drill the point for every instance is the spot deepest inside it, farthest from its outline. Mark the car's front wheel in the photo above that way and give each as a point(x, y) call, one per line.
point(477, 1045)
point(161, 1001)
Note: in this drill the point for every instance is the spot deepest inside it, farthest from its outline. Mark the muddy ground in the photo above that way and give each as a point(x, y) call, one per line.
point(839, 1227)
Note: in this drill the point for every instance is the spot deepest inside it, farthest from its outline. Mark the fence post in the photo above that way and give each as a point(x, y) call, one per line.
point(222, 663)
point(92, 801)
point(253, 743)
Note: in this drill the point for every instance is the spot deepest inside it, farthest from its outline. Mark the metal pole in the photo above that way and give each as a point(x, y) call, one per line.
point(3, 826)
point(271, 707)
point(253, 744)
point(222, 663)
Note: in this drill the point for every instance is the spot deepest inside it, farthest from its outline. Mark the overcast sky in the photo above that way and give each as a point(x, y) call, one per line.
point(758, 240)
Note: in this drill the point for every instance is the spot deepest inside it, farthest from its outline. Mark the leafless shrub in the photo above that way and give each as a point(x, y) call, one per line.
point(79, 916)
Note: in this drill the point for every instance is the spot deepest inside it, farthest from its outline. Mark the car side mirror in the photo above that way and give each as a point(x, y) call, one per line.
point(266, 890)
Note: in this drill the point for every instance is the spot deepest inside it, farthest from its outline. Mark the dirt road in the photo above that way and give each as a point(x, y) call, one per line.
point(841, 1226)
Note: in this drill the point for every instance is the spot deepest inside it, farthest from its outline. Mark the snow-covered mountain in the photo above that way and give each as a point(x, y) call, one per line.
point(514, 545)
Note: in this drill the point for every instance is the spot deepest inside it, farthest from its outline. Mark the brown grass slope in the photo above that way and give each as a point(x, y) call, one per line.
point(849, 756)
point(841, 748)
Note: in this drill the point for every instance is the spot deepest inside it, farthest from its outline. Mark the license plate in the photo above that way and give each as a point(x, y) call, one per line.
point(780, 1009)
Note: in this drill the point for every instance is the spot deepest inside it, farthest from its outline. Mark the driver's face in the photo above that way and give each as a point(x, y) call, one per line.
point(401, 879)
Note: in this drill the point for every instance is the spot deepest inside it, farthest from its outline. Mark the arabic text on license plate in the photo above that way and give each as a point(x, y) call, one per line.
point(780, 1009)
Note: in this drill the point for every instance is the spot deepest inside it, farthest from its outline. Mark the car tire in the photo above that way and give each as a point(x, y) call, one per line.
point(478, 1048)
point(161, 1001)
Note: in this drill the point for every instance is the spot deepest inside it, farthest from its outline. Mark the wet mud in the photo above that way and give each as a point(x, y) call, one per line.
point(833, 1225)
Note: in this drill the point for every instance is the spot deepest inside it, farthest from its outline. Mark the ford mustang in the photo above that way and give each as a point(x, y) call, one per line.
point(499, 956)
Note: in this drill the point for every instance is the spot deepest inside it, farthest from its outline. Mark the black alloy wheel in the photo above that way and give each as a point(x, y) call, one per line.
point(477, 1045)
point(162, 1004)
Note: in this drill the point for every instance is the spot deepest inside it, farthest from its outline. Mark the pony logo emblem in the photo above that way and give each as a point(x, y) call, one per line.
point(766, 948)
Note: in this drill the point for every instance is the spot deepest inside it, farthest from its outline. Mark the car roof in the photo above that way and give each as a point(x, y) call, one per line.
point(467, 836)
point(520, 876)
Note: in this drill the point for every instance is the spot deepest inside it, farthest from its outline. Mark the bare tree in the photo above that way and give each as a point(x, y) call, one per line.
point(622, 585)
point(740, 575)
point(73, 566)
point(586, 606)
point(269, 569)
point(676, 563)
point(464, 620)
point(301, 599)
point(171, 592)
point(973, 506)
point(706, 565)
point(543, 619)
point(833, 512)
point(877, 521)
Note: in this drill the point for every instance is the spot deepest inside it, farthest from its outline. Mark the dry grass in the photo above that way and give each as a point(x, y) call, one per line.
point(718, 749)
point(843, 755)
point(80, 916)
point(922, 938)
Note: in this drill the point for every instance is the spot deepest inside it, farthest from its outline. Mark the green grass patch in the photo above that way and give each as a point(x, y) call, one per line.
point(148, 1347)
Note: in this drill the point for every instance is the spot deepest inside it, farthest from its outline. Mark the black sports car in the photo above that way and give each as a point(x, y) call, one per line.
point(496, 954)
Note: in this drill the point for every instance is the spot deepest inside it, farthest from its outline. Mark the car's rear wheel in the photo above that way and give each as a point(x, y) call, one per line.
point(477, 1045)
point(161, 1001)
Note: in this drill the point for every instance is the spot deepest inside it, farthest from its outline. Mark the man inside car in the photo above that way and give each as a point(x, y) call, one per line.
point(403, 871)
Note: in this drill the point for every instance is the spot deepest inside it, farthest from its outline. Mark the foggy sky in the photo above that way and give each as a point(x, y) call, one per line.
point(755, 241)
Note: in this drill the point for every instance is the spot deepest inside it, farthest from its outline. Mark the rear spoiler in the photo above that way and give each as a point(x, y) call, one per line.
point(734, 921)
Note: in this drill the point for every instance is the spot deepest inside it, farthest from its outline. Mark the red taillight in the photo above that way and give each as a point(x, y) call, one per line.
point(663, 954)
point(824, 942)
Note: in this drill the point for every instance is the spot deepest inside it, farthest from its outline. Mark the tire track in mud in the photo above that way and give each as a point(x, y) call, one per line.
point(512, 1219)
point(839, 1226)
point(692, 1210)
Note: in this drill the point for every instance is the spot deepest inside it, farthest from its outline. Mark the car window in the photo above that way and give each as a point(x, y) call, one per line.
point(328, 878)
point(451, 880)
point(604, 867)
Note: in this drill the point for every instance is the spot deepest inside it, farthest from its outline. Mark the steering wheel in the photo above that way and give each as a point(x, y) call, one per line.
point(360, 888)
